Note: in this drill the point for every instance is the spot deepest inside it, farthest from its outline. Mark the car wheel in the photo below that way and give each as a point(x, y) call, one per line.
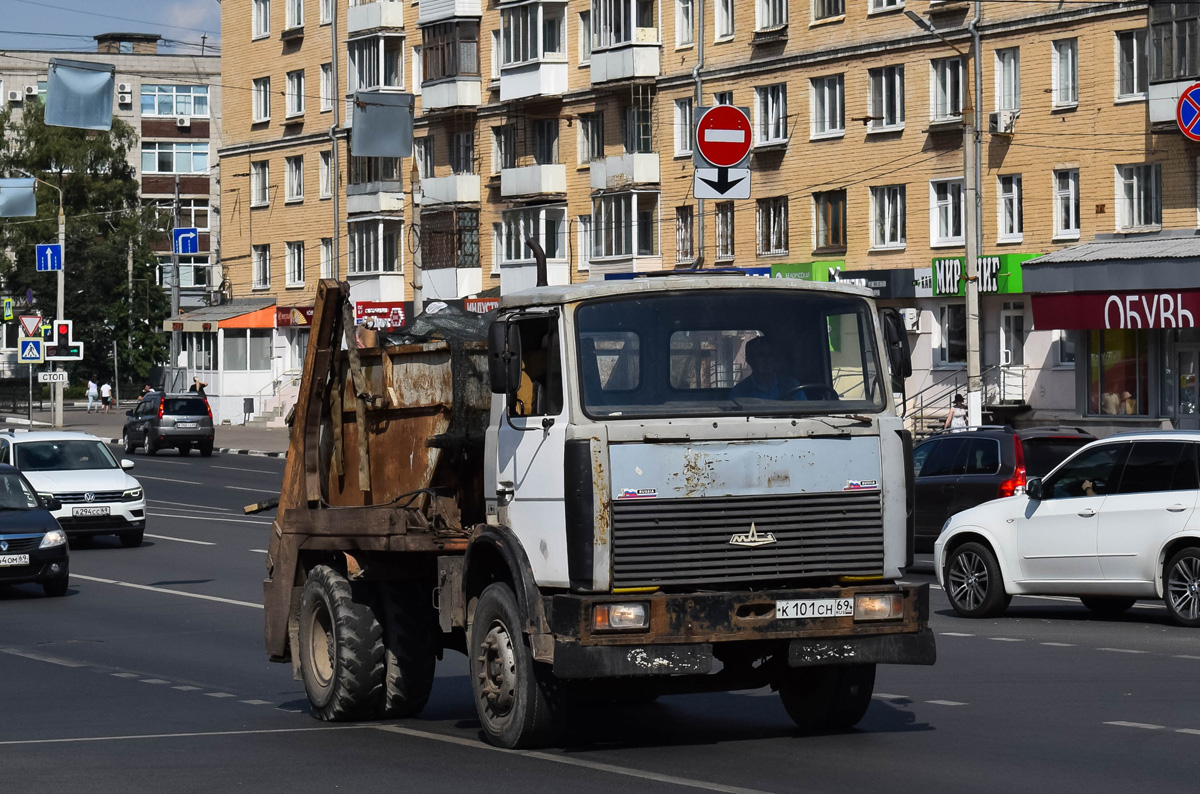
point(56, 587)
point(827, 698)
point(1108, 605)
point(973, 582)
point(206, 449)
point(151, 447)
point(129, 445)
point(1181, 590)
point(184, 449)
point(131, 538)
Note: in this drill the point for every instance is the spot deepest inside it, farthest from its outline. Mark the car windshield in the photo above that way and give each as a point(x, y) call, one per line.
point(185, 406)
point(15, 494)
point(739, 352)
point(64, 456)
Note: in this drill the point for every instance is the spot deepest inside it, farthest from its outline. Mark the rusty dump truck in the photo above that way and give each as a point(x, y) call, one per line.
point(660, 485)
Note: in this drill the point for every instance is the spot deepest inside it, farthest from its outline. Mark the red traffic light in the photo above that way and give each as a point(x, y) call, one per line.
point(64, 331)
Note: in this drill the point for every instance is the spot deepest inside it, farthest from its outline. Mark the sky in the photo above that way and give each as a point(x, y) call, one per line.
point(24, 24)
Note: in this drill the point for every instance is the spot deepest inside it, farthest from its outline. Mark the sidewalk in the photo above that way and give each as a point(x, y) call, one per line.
point(228, 439)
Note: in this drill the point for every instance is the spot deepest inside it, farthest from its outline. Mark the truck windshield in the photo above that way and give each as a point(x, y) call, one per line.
point(743, 351)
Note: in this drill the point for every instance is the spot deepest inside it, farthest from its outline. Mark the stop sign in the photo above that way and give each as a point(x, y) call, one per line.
point(723, 135)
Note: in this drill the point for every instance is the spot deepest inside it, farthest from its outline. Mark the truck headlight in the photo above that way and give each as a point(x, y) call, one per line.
point(131, 495)
point(878, 606)
point(55, 537)
point(607, 617)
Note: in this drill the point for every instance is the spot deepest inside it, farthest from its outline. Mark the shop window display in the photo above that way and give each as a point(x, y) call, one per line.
point(1117, 372)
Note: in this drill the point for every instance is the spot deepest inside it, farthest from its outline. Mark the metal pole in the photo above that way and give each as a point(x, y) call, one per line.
point(116, 378)
point(971, 182)
point(30, 411)
point(176, 336)
point(334, 167)
point(62, 244)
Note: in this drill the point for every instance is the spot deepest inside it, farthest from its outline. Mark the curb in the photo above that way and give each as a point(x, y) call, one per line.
point(255, 453)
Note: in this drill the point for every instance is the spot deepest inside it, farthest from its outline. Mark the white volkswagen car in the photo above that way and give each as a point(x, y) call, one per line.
point(1113, 523)
point(98, 495)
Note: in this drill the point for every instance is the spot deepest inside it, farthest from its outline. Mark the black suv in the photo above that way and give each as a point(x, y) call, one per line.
point(960, 469)
point(160, 421)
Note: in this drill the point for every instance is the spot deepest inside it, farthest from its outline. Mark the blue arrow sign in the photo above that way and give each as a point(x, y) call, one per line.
point(187, 241)
point(30, 351)
point(49, 257)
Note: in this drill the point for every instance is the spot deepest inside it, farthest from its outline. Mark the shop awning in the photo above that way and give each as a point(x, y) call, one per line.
point(237, 313)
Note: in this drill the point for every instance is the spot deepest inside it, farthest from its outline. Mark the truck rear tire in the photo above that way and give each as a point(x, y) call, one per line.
point(512, 695)
point(828, 698)
point(410, 648)
point(341, 649)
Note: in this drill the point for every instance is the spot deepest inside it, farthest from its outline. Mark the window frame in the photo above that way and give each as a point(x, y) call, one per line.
point(260, 183)
point(260, 257)
point(1131, 176)
point(888, 79)
point(685, 35)
point(260, 99)
point(514, 252)
point(685, 237)
point(1061, 231)
point(326, 88)
point(293, 264)
point(770, 115)
point(293, 179)
point(260, 19)
point(585, 36)
point(726, 230)
point(945, 102)
point(293, 12)
point(829, 221)
point(156, 91)
point(827, 10)
point(590, 141)
point(819, 93)
point(176, 148)
point(1006, 68)
point(1138, 69)
point(936, 240)
point(684, 121)
point(724, 22)
point(772, 226)
point(770, 15)
point(942, 350)
point(1064, 82)
point(1010, 208)
point(888, 204)
point(294, 106)
point(328, 266)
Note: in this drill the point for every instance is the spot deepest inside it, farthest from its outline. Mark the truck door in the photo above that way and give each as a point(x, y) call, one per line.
point(529, 449)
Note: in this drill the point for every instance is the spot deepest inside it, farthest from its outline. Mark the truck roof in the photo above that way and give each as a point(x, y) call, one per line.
point(570, 293)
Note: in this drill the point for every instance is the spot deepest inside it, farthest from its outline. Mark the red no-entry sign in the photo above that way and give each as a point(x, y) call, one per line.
point(723, 135)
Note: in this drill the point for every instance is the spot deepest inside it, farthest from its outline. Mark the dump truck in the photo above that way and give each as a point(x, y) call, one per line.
point(658, 485)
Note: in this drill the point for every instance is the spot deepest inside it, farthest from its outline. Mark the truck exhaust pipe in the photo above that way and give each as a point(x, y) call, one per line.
point(539, 256)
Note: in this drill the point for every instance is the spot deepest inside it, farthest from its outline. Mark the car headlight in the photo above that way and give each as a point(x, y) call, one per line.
point(946, 525)
point(131, 495)
point(878, 606)
point(607, 617)
point(55, 537)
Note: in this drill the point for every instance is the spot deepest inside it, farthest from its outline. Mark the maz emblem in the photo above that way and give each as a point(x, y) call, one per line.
point(752, 538)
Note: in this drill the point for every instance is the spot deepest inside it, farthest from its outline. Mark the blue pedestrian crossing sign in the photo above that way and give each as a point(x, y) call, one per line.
point(49, 257)
point(1187, 112)
point(30, 350)
point(187, 241)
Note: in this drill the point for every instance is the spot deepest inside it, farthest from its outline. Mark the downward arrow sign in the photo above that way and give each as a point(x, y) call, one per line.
point(722, 184)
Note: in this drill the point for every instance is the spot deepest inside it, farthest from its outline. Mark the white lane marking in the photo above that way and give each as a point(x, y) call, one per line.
point(180, 540)
point(167, 479)
point(124, 675)
point(201, 510)
point(197, 734)
point(171, 463)
point(1192, 731)
point(945, 702)
point(154, 681)
point(1005, 639)
point(1120, 650)
point(253, 471)
point(1058, 644)
point(289, 711)
point(219, 695)
point(256, 702)
point(187, 688)
point(1145, 725)
point(41, 657)
point(191, 505)
point(259, 551)
point(657, 777)
point(886, 696)
point(153, 589)
point(955, 634)
point(255, 490)
point(1185, 656)
point(221, 519)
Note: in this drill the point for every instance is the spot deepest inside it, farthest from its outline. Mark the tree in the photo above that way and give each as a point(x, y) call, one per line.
point(105, 220)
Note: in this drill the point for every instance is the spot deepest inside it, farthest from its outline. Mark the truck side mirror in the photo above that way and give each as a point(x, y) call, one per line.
point(504, 356)
point(1034, 490)
point(896, 337)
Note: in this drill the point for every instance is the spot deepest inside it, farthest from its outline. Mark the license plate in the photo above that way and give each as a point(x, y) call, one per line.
point(8, 560)
point(89, 511)
point(815, 608)
point(187, 425)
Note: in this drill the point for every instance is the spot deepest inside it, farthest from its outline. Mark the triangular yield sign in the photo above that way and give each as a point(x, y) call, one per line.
point(30, 324)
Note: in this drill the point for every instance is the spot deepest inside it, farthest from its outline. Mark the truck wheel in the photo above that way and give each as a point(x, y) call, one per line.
point(510, 691)
point(341, 649)
point(410, 649)
point(828, 698)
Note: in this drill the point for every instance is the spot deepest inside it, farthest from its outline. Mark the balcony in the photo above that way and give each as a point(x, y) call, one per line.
point(624, 171)
point(375, 197)
point(536, 78)
point(459, 188)
point(449, 283)
point(532, 180)
point(641, 57)
point(456, 92)
point(438, 10)
point(374, 15)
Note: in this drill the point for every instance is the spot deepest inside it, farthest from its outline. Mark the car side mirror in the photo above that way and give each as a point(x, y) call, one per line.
point(504, 357)
point(1033, 489)
point(53, 504)
point(896, 337)
point(126, 463)
point(129, 412)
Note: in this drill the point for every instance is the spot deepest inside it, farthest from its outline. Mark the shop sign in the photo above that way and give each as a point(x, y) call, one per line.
point(1100, 310)
point(293, 316)
point(380, 315)
point(891, 283)
point(999, 274)
point(809, 271)
point(481, 305)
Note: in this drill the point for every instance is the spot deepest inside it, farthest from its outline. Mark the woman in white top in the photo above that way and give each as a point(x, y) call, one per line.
point(957, 418)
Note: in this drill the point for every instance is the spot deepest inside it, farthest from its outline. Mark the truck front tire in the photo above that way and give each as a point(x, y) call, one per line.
point(409, 631)
point(341, 649)
point(512, 696)
point(827, 698)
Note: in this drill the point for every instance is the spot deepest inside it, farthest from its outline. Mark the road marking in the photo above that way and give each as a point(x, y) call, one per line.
point(253, 471)
point(955, 634)
point(154, 681)
point(194, 735)
point(41, 657)
point(124, 675)
point(886, 696)
point(1144, 725)
point(255, 490)
point(259, 551)
point(153, 589)
point(256, 702)
point(191, 505)
point(1185, 656)
point(945, 702)
point(187, 688)
point(172, 463)
point(214, 518)
point(1192, 731)
point(180, 540)
point(571, 761)
point(219, 695)
point(1005, 639)
point(1119, 650)
point(1058, 644)
point(167, 479)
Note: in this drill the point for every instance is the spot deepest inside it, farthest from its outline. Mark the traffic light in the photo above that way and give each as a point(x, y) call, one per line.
point(60, 346)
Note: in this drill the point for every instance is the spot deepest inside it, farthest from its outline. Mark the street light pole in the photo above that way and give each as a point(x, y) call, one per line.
point(60, 310)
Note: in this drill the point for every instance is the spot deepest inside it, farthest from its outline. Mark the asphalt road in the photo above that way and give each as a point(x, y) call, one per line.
point(150, 677)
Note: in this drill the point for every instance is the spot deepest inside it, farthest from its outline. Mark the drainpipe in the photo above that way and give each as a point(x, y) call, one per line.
point(699, 81)
point(335, 174)
point(974, 247)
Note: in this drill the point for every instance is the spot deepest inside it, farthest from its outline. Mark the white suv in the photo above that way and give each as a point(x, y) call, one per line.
point(1115, 522)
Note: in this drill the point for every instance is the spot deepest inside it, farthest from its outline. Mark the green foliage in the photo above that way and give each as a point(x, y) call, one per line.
point(104, 218)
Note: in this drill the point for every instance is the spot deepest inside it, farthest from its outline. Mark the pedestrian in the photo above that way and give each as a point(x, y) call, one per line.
point(197, 386)
point(106, 395)
point(957, 418)
point(93, 394)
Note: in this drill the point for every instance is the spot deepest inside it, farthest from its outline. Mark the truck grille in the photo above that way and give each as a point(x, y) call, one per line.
point(686, 541)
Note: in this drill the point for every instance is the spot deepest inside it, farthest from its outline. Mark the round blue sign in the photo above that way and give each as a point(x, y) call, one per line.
point(1187, 112)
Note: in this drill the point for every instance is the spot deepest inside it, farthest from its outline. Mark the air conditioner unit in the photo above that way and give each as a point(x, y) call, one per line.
point(14, 96)
point(1003, 122)
point(124, 88)
point(31, 90)
point(183, 121)
point(125, 99)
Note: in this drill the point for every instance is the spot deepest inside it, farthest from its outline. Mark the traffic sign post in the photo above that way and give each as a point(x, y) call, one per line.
point(723, 139)
point(49, 257)
point(1187, 112)
point(187, 241)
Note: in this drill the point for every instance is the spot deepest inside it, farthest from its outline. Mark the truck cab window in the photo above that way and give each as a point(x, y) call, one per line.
point(540, 390)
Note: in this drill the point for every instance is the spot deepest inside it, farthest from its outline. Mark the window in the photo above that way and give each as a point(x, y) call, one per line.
point(723, 98)
point(294, 14)
point(886, 102)
point(773, 226)
point(1174, 41)
point(326, 11)
point(247, 349)
point(770, 14)
point(174, 158)
point(1066, 204)
point(325, 174)
point(1064, 349)
point(624, 225)
point(614, 21)
point(683, 126)
point(685, 249)
point(1118, 371)
point(375, 62)
point(585, 37)
point(450, 49)
point(462, 153)
point(326, 87)
point(947, 89)
point(547, 225)
point(831, 219)
point(1139, 196)
point(295, 264)
point(1091, 473)
point(887, 210)
point(1131, 64)
point(828, 107)
point(684, 22)
point(371, 170)
point(423, 154)
point(193, 213)
point(1155, 466)
point(725, 249)
point(591, 137)
point(193, 271)
point(545, 141)
point(952, 335)
point(826, 9)
point(770, 105)
point(946, 212)
point(554, 38)
point(723, 27)
point(373, 246)
point(260, 183)
point(261, 258)
point(260, 98)
point(883, 5)
point(519, 34)
point(639, 130)
point(1065, 73)
point(295, 93)
point(418, 67)
point(504, 145)
point(1008, 79)
point(541, 393)
point(175, 100)
point(1010, 210)
point(293, 178)
point(584, 243)
point(261, 13)
point(328, 270)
